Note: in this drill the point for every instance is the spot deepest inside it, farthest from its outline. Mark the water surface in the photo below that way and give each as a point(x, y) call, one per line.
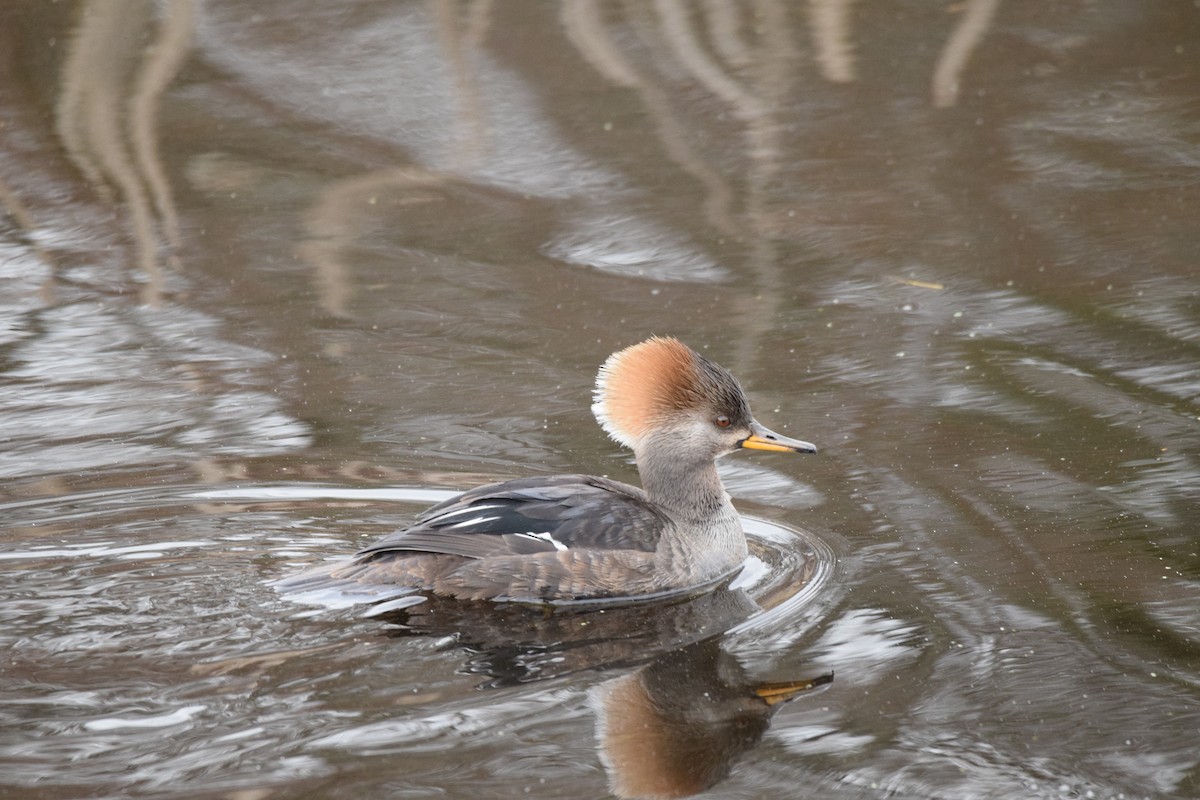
point(277, 275)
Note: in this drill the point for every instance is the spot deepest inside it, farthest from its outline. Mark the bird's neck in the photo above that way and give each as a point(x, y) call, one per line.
point(705, 539)
point(688, 489)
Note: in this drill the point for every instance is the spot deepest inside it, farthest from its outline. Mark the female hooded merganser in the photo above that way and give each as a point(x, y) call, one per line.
point(577, 537)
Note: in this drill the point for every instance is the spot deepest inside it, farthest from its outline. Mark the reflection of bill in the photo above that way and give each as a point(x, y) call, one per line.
point(676, 726)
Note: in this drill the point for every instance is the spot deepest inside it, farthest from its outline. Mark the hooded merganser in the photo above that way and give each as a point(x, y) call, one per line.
point(579, 537)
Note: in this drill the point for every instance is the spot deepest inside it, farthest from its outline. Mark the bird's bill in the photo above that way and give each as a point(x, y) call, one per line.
point(762, 438)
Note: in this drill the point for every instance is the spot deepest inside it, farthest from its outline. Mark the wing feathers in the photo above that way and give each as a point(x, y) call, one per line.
point(533, 515)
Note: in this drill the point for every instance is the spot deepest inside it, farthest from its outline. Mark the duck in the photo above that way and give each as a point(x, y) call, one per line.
point(566, 538)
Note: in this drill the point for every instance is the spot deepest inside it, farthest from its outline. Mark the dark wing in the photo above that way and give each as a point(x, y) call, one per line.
point(533, 515)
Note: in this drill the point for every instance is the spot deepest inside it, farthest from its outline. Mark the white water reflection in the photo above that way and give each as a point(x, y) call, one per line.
point(106, 386)
point(165, 720)
point(633, 248)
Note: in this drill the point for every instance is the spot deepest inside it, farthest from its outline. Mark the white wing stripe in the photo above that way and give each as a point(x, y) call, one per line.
point(467, 510)
point(473, 521)
point(545, 537)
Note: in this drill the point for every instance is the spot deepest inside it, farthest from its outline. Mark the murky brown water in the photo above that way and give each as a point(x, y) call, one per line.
point(276, 275)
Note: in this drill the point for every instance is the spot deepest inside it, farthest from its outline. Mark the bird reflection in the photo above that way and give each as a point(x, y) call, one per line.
point(672, 727)
point(514, 643)
point(676, 726)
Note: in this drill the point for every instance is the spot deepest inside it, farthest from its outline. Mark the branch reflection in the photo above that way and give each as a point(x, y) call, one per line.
point(120, 61)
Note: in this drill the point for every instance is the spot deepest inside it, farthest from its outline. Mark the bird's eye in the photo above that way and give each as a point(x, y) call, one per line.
point(721, 421)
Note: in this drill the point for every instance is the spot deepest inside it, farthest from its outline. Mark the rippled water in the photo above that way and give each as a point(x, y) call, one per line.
point(278, 275)
point(169, 661)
